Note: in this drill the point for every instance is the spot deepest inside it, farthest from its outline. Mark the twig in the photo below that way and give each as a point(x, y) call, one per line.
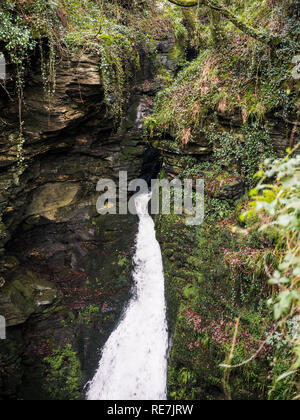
point(230, 357)
point(229, 366)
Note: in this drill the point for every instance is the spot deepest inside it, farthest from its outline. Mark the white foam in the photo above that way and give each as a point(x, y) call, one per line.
point(133, 365)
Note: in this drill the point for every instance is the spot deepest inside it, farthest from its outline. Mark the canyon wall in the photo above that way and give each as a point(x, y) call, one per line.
point(65, 271)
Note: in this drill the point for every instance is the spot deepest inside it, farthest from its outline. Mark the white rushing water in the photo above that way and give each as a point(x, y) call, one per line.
point(134, 359)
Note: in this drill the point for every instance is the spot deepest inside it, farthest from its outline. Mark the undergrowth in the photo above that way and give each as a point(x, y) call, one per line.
point(235, 76)
point(116, 31)
point(276, 205)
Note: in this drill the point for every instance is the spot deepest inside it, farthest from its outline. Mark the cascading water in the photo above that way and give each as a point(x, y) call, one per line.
point(134, 359)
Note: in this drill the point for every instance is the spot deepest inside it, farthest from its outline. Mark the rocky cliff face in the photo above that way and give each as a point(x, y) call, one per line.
point(199, 149)
point(65, 270)
point(224, 185)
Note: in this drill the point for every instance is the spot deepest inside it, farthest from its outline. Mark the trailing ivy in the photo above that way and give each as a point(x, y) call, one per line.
point(18, 41)
point(111, 29)
point(244, 153)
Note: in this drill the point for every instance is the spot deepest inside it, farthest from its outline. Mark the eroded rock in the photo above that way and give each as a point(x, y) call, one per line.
point(23, 295)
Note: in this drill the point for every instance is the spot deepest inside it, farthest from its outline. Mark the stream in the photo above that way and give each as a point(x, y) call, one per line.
point(133, 364)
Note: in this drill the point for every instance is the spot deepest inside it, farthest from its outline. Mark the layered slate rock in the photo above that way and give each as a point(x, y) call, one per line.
point(65, 271)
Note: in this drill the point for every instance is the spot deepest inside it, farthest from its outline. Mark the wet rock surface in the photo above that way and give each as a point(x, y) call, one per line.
point(66, 270)
point(199, 149)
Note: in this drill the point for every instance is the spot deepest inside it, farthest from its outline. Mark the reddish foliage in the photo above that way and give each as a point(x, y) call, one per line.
point(221, 332)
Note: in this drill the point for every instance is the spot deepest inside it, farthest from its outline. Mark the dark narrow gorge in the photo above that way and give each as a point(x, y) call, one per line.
point(94, 306)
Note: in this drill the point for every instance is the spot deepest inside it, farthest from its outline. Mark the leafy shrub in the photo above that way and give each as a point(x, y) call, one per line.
point(278, 205)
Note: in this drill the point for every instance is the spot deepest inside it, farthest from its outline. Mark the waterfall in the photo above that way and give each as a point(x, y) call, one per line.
point(133, 365)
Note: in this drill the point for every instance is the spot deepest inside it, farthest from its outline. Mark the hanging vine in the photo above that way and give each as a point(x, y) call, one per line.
point(19, 34)
point(18, 41)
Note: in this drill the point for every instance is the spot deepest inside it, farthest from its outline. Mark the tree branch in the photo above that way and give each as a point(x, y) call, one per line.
point(264, 37)
point(185, 3)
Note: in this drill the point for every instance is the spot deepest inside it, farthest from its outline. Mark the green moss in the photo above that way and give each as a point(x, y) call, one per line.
point(237, 77)
point(205, 295)
point(86, 315)
point(63, 374)
point(241, 154)
point(113, 31)
point(3, 231)
point(25, 294)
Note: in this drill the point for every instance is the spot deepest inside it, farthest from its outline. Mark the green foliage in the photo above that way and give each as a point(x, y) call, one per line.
point(85, 316)
point(208, 294)
point(217, 209)
point(20, 30)
point(63, 374)
point(124, 262)
point(284, 378)
point(104, 30)
point(278, 205)
point(175, 16)
point(119, 58)
point(240, 76)
point(219, 275)
point(107, 29)
point(244, 153)
point(173, 106)
point(183, 381)
point(15, 35)
point(22, 26)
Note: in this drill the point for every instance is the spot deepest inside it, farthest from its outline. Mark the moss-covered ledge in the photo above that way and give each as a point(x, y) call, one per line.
point(210, 283)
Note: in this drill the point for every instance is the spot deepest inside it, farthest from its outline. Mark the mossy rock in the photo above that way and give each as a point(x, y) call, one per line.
point(48, 199)
point(204, 298)
point(25, 294)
